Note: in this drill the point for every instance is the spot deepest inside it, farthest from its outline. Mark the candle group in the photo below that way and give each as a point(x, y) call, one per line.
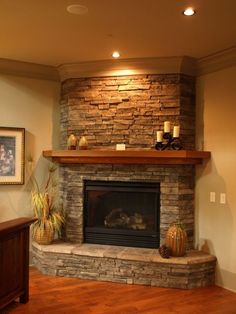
point(176, 131)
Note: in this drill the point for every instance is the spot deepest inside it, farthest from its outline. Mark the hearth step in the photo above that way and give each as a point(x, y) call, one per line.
point(125, 264)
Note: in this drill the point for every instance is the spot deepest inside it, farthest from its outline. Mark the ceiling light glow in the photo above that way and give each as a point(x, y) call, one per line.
point(189, 12)
point(115, 54)
point(77, 9)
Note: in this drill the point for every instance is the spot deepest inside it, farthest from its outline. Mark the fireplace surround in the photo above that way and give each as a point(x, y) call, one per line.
point(176, 193)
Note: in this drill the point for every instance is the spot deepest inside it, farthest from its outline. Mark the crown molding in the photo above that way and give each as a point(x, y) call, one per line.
point(185, 65)
point(216, 62)
point(26, 69)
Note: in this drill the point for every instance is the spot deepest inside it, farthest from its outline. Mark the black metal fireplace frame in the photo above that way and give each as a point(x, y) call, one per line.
point(140, 238)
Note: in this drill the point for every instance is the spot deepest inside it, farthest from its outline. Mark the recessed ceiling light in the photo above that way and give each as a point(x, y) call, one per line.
point(189, 12)
point(78, 9)
point(115, 54)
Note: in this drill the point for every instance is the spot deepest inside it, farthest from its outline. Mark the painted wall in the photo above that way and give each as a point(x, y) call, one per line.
point(216, 132)
point(31, 104)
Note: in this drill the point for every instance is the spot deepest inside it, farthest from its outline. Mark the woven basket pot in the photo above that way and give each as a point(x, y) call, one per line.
point(176, 240)
point(43, 236)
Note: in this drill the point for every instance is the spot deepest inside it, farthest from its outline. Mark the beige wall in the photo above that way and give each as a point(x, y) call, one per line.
point(33, 105)
point(216, 130)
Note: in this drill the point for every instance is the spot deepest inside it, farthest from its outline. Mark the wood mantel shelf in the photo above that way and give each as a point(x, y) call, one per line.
point(181, 157)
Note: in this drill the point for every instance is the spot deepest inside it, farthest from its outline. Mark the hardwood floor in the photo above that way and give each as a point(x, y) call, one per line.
point(50, 294)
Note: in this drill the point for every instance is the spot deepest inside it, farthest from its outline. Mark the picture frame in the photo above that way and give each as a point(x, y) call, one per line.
point(12, 155)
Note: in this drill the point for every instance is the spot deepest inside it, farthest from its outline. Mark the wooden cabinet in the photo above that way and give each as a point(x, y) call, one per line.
point(14, 260)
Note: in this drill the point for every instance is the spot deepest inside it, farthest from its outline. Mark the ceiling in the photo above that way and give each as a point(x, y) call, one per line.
point(44, 32)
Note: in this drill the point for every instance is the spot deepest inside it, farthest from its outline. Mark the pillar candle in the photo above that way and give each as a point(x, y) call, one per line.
point(159, 136)
point(167, 126)
point(176, 131)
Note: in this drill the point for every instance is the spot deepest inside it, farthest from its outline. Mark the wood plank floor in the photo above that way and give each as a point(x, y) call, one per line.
point(50, 294)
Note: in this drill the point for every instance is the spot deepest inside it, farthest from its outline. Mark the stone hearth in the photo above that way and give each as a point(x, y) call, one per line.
point(125, 265)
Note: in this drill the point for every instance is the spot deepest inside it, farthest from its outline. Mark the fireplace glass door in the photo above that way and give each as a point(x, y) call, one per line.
point(122, 213)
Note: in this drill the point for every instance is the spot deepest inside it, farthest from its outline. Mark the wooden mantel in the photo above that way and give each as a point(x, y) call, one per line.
point(181, 157)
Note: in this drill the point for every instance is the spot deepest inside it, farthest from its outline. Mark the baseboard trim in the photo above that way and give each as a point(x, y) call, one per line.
point(226, 279)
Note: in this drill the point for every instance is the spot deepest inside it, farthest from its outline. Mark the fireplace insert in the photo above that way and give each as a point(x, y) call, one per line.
point(122, 213)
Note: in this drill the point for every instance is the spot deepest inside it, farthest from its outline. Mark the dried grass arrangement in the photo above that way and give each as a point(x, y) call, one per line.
point(47, 209)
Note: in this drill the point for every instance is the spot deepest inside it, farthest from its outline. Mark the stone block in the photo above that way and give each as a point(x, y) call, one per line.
point(130, 87)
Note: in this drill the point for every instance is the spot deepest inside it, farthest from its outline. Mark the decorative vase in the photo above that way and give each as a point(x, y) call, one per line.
point(83, 143)
point(72, 142)
point(45, 236)
point(176, 239)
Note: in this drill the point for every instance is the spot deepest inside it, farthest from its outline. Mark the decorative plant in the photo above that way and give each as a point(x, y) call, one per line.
point(47, 210)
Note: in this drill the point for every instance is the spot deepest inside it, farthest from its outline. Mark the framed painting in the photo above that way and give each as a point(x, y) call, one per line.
point(12, 155)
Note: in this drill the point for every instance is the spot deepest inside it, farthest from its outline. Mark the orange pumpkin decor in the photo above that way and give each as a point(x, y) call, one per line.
point(176, 239)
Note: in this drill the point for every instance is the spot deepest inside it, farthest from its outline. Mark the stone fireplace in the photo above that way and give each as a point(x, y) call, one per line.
point(129, 110)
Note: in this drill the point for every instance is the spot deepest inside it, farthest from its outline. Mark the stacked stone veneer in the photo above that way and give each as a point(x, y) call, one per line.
point(129, 109)
point(176, 199)
point(125, 265)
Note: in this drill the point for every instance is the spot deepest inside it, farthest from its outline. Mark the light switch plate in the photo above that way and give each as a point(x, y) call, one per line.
point(212, 197)
point(222, 198)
